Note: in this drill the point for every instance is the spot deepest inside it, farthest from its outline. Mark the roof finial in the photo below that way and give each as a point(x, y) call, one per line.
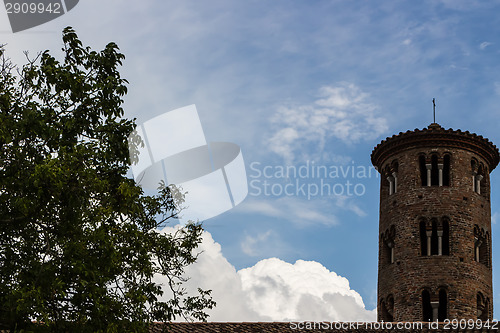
point(434, 103)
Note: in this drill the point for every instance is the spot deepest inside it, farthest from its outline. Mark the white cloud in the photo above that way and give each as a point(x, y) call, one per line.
point(213, 271)
point(273, 290)
point(342, 112)
point(251, 245)
point(348, 204)
point(263, 244)
point(305, 290)
point(495, 217)
point(484, 45)
point(282, 142)
point(300, 212)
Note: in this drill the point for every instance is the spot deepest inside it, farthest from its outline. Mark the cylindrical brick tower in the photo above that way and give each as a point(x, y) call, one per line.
point(435, 225)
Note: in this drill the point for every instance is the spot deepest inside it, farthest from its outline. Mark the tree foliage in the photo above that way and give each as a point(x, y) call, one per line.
point(79, 240)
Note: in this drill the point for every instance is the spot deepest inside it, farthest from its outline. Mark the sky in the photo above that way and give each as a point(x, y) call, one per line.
point(298, 85)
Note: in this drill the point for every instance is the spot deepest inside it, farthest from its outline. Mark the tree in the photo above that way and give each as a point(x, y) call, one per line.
point(79, 241)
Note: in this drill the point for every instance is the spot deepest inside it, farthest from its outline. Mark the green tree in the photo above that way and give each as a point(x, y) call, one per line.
point(79, 240)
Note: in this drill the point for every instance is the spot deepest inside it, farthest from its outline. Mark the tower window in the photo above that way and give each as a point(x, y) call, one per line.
point(383, 311)
point(390, 308)
point(387, 309)
point(390, 180)
point(388, 244)
point(483, 307)
point(434, 310)
point(481, 246)
point(434, 171)
point(426, 306)
point(443, 305)
point(423, 170)
point(477, 175)
point(434, 237)
point(391, 174)
point(446, 170)
point(479, 186)
point(394, 174)
point(389, 251)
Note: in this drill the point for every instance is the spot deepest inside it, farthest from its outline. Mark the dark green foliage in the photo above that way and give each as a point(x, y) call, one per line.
point(78, 239)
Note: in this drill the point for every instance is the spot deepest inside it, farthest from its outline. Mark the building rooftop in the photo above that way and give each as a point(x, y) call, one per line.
point(280, 327)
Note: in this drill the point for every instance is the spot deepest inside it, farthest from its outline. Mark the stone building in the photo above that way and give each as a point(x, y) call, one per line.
point(435, 225)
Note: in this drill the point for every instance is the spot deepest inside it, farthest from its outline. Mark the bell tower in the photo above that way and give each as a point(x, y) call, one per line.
point(435, 225)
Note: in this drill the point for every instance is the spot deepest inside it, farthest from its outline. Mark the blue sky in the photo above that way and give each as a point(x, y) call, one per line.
point(298, 82)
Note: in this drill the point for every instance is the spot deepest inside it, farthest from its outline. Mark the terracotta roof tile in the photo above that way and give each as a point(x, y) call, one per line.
point(280, 327)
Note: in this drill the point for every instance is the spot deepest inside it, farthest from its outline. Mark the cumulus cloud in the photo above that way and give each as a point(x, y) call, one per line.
point(213, 271)
point(305, 290)
point(273, 290)
point(342, 112)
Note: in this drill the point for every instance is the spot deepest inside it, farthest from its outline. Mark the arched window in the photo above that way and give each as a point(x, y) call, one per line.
point(387, 309)
point(394, 174)
point(390, 308)
point(482, 307)
point(426, 306)
point(383, 311)
point(389, 176)
point(474, 168)
point(434, 171)
point(480, 179)
point(423, 170)
point(481, 246)
point(473, 164)
point(388, 254)
point(446, 170)
point(443, 305)
point(434, 236)
point(388, 238)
